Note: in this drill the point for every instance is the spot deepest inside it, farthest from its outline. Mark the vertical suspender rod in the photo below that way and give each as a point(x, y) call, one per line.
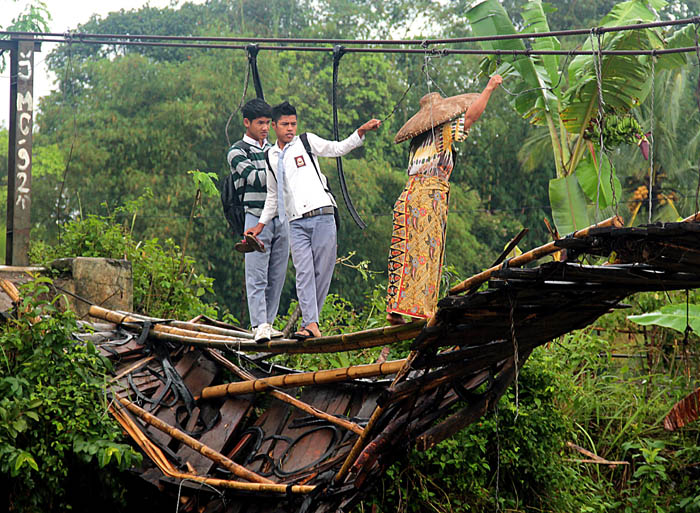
point(338, 52)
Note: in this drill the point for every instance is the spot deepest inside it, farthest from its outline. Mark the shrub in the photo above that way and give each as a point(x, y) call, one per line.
point(166, 283)
point(53, 409)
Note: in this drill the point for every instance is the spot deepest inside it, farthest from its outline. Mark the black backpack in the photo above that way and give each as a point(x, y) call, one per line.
point(232, 198)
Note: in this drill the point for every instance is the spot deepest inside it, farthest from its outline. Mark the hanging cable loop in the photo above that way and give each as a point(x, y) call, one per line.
point(252, 52)
point(338, 52)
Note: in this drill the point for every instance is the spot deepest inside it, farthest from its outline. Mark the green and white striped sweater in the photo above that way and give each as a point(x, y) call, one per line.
point(250, 167)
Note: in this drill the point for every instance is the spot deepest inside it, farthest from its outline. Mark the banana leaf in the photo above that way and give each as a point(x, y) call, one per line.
point(536, 22)
point(568, 204)
point(682, 38)
point(623, 81)
point(600, 190)
point(533, 98)
point(624, 78)
point(671, 316)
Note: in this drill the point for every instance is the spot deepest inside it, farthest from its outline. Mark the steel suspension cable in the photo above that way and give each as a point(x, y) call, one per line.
point(651, 136)
point(444, 51)
point(470, 39)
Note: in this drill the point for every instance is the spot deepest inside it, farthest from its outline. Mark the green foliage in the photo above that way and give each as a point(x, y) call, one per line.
point(166, 283)
point(205, 182)
point(649, 477)
point(675, 316)
point(53, 408)
point(33, 18)
point(508, 459)
point(568, 109)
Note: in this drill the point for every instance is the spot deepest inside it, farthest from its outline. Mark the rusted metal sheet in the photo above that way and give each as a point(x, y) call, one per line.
point(231, 414)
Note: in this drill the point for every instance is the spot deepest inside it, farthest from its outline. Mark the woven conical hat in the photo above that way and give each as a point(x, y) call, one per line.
point(434, 110)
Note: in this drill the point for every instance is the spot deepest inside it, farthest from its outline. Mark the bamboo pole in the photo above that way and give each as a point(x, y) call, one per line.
point(376, 415)
point(13, 293)
point(277, 394)
point(10, 290)
point(692, 219)
point(235, 468)
point(304, 378)
point(206, 328)
point(193, 325)
point(529, 256)
point(166, 467)
point(345, 342)
point(178, 328)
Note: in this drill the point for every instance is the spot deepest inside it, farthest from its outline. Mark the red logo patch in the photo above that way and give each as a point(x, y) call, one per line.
point(300, 161)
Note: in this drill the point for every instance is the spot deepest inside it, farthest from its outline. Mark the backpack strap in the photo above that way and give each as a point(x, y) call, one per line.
point(242, 145)
point(269, 166)
point(305, 141)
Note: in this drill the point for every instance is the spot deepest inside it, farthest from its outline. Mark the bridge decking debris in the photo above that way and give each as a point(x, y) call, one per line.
point(281, 439)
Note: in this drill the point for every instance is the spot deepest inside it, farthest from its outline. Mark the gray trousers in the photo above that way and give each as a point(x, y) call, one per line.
point(314, 249)
point(265, 272)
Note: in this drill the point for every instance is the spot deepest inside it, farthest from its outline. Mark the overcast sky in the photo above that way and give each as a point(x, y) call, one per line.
point(65, 15)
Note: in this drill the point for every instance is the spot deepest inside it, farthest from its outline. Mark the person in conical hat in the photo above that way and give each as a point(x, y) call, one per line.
point(420, 213)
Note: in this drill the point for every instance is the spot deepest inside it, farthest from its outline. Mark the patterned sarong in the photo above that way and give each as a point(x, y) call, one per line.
point(417, 247)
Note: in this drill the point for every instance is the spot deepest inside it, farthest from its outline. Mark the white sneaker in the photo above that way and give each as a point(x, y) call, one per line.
point(263, 333)
point(276, 333)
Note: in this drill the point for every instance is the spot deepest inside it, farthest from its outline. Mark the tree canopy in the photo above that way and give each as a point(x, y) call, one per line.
point(124, 120)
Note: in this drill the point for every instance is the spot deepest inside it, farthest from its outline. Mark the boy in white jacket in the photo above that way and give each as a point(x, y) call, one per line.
point(297, 188)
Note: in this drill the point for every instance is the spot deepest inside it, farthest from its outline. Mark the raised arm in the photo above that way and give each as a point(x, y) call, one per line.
point(325, 148)
point(477, 108)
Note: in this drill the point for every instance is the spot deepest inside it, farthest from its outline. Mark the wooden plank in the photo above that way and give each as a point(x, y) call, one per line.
point(272, 422)
point(232, 412)
point(309, 449)
point(197, 375)
point(119, 350)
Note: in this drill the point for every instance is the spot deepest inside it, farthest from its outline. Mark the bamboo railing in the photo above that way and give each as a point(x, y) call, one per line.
point(530, 256)
point(335, 343)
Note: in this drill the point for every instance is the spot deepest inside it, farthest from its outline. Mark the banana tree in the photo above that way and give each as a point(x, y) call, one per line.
point(564, 97)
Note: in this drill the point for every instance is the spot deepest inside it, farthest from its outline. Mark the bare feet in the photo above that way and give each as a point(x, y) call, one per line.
point(395, 319)
point(313, 328)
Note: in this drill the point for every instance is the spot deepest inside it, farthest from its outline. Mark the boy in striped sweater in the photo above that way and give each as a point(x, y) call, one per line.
point(264, 271)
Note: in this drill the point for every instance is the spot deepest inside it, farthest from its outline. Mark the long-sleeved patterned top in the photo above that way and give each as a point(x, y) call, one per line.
point(431, 155)
point(250, 168)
